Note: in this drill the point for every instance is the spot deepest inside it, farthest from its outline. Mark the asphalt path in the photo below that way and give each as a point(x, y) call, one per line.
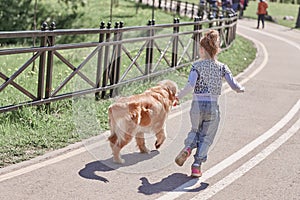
point(255, 154)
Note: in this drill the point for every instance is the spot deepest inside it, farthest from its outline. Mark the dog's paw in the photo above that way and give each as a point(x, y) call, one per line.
point(119, 161)
point(144, 150)
point(157, 145)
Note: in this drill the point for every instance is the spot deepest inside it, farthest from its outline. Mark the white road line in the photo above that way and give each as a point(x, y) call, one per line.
point(39, 165)
point(234, 157)
point(211, 191)
point(272, 35)
point(45, 163)
point(245, 150)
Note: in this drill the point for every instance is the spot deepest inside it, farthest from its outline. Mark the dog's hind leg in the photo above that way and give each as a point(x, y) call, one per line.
point(160, 138)
point(117, 144)
point(116, 155)
point(140, 141)
point(115, 149)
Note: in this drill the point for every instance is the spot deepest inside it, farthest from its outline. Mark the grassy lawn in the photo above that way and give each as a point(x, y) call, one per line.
point(277, 10)
point(29, 132)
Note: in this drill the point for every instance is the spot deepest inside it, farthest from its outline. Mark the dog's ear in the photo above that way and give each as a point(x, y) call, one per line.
point(170, 86)
point(172, 90)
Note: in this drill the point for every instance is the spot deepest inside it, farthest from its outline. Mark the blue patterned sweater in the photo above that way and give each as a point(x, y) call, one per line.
point(205, 80)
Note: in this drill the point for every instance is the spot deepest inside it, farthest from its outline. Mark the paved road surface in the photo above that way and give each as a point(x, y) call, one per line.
point(255, 155)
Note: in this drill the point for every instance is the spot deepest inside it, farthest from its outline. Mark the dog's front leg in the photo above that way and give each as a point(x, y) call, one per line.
point(160, 138)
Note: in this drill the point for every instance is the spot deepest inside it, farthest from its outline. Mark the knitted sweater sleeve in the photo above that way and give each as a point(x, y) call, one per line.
point(231, 80)
point(189, 85)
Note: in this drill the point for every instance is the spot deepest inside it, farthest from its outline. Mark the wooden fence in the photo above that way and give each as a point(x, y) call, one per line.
point(113, 57)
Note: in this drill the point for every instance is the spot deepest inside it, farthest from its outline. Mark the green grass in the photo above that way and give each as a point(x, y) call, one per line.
point(276, 10)
point(131, 13)
point(30, 131)
point(238, 56)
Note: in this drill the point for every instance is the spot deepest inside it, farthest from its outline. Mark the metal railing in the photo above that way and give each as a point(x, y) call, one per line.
point(111, 58)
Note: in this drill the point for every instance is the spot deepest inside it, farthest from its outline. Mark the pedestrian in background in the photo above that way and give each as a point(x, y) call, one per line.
point(261, 12)
point(205, 80)
point(202, 8)
point(226, 4)
point(213, 7)
point(243, 6)
point(235, 5)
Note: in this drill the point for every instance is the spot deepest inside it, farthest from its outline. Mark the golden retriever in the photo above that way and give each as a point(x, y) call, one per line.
point(138, 114)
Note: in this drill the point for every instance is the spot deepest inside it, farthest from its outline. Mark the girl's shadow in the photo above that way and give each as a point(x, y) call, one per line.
point(169, 184)
point(90, 169)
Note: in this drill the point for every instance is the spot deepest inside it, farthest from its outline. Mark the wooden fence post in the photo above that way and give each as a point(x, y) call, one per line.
point(99, 61)
point(192, 15)
point(227, 29)
point(175, 43)
point(149, 49)
point(234, 27)
point(120, 36)
point(210, 17)
point(115, 64)
point(196, 38)
point(51, 42)
point(106, 66)
point(41, 76)
point(220, 16)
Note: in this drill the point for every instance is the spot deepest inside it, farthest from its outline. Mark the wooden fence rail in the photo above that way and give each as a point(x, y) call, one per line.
point(111, 58)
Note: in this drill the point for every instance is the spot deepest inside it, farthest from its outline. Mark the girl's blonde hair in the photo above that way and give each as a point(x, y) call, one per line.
point(211, 43)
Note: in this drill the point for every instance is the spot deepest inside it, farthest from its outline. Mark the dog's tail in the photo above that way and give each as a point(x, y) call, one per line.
point(124, 116)
point(121, 117)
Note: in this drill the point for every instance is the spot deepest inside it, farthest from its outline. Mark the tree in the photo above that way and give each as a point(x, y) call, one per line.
point(14, 15)
point(18, 15)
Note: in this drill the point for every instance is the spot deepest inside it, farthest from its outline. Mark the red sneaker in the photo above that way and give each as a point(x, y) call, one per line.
point(196, 171)
point(182, 156)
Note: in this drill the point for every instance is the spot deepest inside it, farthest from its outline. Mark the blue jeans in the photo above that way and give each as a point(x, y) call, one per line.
point(205, 119)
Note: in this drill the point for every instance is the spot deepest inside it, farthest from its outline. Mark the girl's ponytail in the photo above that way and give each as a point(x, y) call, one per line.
point(210, 42)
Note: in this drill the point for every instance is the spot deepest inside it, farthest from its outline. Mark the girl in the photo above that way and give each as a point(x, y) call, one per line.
point(205, 80)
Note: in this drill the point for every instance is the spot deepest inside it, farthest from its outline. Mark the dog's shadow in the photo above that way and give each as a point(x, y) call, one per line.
point(170, 183)
point(90, 169)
